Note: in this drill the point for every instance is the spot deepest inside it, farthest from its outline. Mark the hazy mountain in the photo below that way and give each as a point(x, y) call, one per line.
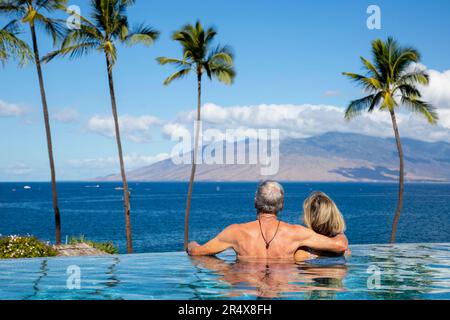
point(328, 157)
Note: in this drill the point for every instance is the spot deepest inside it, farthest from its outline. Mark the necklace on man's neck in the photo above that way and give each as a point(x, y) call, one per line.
point(262, 233)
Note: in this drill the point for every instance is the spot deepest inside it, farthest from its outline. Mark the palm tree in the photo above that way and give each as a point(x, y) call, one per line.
point(391, 81)
point(11, 46)
point(199, 57)
point(109, 26)
point(31, 13)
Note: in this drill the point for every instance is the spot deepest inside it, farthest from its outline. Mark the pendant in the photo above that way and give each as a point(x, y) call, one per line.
point(267, 246)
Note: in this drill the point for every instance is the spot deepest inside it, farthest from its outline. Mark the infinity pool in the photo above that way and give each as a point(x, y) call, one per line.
point(407, 271)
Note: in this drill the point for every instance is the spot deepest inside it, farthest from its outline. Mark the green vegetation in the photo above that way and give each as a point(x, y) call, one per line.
point(199, 57)
point(107, 247)
point(391, 81)
point(13, 47)
point(16, 247)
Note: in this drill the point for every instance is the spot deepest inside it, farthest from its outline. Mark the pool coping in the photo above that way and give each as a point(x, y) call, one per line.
point(226, 253)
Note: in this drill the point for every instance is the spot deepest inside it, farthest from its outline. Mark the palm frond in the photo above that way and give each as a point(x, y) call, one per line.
point(73, 52)
point(409, 91)
point(422, 108)
point(406, 56)
point(413, 77)
point(177, 75)
point(221, 54)
point(223, 72)
point(142, 34)
point(77, 42)
point(176, 62)
point(12, 9)
point(51, 5)
point(13, 47)
point(380, 54)
point(356, 107)
point(371, 69)
point(55, 28)
point(369, 84)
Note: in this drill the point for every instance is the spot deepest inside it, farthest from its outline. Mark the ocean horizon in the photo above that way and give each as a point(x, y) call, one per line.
point(95, 210)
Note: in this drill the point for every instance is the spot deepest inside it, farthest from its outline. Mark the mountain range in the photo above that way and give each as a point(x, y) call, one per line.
point(339, 157)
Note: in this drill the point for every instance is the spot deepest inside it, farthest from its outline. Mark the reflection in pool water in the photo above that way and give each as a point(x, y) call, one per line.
point(419, 271)
point(272, 279)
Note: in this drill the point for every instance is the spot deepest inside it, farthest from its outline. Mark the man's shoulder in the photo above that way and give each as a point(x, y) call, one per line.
point(240, 226)
point(237, 226)
point(243, 228)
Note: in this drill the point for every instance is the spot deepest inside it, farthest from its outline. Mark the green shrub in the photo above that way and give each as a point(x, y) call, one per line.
point(15, 247)
point(107, 247)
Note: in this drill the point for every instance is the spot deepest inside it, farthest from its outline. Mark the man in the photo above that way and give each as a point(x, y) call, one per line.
point(267, 237)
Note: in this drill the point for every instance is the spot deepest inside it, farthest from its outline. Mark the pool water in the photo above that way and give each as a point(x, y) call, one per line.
point(405, 271)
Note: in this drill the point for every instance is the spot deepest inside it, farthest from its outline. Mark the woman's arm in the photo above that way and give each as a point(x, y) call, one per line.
point(308, 238)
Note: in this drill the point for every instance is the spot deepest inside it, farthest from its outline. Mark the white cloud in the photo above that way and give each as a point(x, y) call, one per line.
point(131, 161)
point(306, 120)
point(438, 90)
point(299, 121)
point(11, 110)
point(136, 129)
point(65, 115)
point(172, 129)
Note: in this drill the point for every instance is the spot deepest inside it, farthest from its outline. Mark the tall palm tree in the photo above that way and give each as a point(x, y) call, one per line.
point(199, 56)
point(32, 13)
point(109, 27)
point(13, 47)
point(391, 81)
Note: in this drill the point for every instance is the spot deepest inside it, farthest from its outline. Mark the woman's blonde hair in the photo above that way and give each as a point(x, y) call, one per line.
point(321, 214)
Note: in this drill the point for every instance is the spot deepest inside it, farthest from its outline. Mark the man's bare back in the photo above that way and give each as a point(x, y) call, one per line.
point(267, 237)
point(249, 240)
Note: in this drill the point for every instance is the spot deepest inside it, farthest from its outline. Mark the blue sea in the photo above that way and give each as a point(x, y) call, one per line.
point(95, 210)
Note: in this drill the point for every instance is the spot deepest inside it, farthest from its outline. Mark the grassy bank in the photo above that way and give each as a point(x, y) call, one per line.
point(21, 247)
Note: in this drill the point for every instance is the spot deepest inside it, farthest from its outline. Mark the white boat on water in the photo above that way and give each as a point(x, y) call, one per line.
point(121, 188)
point(95, 186)
point(27, 187)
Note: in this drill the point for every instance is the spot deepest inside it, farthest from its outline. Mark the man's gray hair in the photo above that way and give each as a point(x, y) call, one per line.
point(269, 197)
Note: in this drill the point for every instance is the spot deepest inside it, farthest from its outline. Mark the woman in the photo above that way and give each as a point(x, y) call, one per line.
point(320, 214)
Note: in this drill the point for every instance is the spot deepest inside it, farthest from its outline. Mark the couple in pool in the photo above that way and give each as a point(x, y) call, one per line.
point(269, 238)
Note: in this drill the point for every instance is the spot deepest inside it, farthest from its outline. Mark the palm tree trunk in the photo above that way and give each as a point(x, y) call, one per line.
point(194, 161)
point(401, 178)
point(126, 193)
point(49, 136)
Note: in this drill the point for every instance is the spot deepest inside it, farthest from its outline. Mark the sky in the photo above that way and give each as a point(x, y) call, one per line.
point(289, 56)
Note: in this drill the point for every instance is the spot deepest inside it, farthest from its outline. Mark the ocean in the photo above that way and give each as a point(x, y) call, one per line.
point(95, 210)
